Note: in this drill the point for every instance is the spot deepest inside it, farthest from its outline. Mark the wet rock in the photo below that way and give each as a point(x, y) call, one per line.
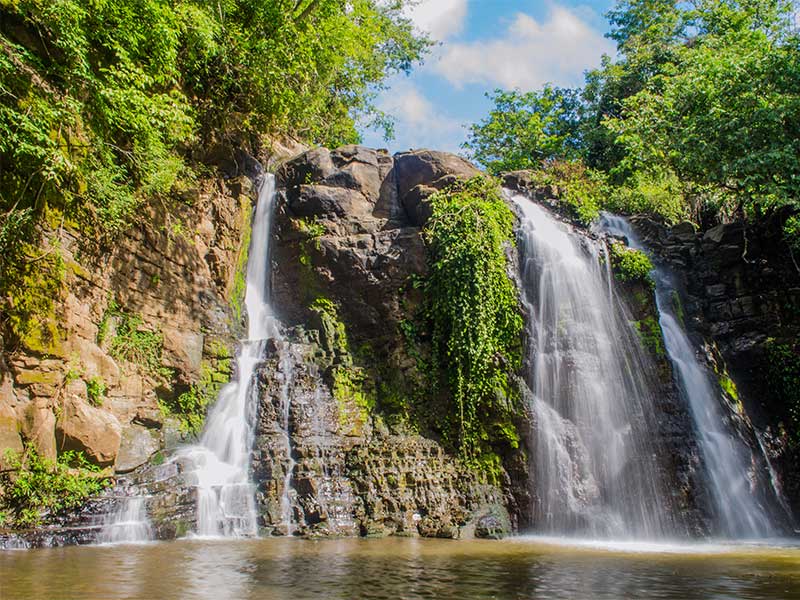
point(494, 524)
point(738, 289)
point(138, 444)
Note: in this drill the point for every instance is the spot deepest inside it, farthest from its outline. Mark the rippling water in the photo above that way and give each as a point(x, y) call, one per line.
point(398, 568)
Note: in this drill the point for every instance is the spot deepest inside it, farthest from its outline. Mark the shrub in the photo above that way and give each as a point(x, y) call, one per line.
point(133, 341)
point(38, 486)
point(582, 191)
point(783, 370)
point(630, 265)
point(96, 390)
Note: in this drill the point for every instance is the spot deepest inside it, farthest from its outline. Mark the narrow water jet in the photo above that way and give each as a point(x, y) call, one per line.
point(287, 368)
point(595, 446)
point(741, 504)
point(221, 460)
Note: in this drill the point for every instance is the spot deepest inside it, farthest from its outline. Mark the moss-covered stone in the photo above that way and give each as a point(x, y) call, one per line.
point(32, 288)
point(239, 287)
point(649, 330)
point(630, 265)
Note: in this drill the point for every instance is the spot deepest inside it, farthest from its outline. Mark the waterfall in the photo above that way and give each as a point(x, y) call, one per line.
point(128, 524)
point(595, 456)
point(221, 459)
point(740, 504)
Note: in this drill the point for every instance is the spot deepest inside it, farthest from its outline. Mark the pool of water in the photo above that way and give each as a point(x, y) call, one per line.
point(400, 568)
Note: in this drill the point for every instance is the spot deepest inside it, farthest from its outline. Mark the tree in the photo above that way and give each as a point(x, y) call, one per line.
point(724, 115)
point(701, 102)
point(525, 129)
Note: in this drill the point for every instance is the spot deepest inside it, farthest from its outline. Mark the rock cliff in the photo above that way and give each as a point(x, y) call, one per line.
point(742, 301)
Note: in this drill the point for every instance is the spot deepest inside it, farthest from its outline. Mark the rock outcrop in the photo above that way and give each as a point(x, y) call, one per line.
point(347, 245)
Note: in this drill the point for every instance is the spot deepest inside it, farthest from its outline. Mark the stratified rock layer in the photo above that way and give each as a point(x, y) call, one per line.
point(347, 232)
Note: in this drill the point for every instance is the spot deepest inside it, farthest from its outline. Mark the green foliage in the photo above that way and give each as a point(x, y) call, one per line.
point(630, 265)
point(91, 114)
point(96, 390)
point(35, 486)
point(352, 389)
point(334, 335)
point(107, 105)
point(579, 189)
point(474, 313)
point(190, 407)
point(722, 115)
point(659, 194)
point(728, 386)
point(525, 129)
point(791, 232)
point(133, 341)
point(312, 230)
point(782, 365)
point(696, 114)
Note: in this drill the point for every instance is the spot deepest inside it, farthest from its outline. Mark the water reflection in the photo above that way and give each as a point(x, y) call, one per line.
point(396, 569)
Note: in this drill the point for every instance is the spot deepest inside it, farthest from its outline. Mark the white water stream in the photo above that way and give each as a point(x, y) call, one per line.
point(219, 464)
point(128, 524)
point(595, 458)
point(221, 459)
point(740, 504)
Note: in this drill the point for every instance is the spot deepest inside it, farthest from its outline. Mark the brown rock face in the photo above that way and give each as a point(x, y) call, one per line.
point(348, 228)
point(84, 428)
point(9, 432)
point(39, 429)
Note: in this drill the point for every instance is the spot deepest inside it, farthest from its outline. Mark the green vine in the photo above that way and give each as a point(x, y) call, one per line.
point(473, 310)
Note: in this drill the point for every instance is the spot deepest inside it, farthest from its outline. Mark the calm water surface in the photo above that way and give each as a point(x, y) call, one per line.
point(398, 569)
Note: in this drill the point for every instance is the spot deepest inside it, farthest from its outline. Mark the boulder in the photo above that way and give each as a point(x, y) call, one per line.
point(352, 186)
point(90, 430)
point(137, 446)
point(38, 427)
point(349, 167)
point(493, 523)
point(419, 173)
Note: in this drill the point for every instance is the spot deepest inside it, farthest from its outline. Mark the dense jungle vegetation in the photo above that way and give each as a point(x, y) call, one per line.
point(696, 117)
point(106, 105)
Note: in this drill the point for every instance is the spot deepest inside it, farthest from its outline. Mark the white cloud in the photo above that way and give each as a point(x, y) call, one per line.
point(418, 123)
point(529, 54)
point(439, 18)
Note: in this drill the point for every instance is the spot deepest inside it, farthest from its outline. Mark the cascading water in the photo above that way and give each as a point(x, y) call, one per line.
point(596, 471)
point(740, 503)
point(128, 524)
point(221, 459)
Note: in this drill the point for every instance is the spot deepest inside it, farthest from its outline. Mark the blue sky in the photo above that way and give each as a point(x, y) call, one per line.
point(483, 45)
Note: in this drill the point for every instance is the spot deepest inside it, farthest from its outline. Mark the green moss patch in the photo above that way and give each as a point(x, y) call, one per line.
point(629, 265)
